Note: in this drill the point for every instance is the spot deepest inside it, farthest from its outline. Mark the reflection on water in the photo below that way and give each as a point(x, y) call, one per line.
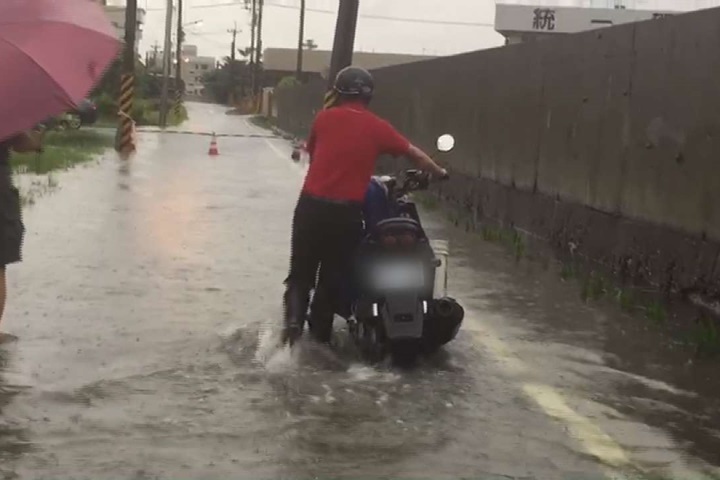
point(14, 439)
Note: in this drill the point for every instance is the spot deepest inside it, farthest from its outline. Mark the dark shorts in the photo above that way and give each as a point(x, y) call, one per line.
point(12, 229)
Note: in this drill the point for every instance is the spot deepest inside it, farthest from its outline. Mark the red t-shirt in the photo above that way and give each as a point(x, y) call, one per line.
point(344, 144)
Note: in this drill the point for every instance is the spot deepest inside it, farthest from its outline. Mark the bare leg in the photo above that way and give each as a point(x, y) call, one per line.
point(4, 337)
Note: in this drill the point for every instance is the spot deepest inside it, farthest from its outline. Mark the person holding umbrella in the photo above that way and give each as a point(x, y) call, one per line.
point(11, 225)
point(53, 53)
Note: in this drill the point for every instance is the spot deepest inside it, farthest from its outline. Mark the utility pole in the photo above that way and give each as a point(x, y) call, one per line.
point(343, 44)
point(258, 54)
point(178, 58)
point(178, 53)
point(124, 139)
point(130, 28)
point(166, 65)
point(253, 25)
point(156, 49)
point(234, 32)
point(301, 41)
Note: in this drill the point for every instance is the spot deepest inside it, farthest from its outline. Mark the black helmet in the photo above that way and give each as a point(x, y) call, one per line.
point(355, 82)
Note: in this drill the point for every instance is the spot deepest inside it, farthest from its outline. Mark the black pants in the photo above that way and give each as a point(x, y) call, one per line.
point(324, 236)
point(11, 225)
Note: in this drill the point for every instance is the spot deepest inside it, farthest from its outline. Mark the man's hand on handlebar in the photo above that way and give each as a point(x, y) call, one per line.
point(424, 162)
point(438, 173)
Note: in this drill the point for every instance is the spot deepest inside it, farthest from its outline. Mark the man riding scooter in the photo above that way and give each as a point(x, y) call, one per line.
point(344, 144)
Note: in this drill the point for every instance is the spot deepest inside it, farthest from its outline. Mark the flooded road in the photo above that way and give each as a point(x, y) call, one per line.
point(148, 310)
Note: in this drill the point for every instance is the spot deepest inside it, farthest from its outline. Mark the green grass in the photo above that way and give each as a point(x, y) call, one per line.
point(626, 299)
point(569, 271)
point(594, 287)
point(492, 234)
point(706, 337)
point(62, 151)
point(656, 312)
point(511, 238)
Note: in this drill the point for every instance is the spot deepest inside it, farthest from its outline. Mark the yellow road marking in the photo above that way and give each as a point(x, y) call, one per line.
point(590, 436)
point(595, 441)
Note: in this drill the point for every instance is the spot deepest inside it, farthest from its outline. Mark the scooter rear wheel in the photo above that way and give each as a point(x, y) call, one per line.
point(405, 353)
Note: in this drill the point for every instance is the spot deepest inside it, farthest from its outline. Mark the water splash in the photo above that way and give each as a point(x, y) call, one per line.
point(271, 354)
point(284, 360)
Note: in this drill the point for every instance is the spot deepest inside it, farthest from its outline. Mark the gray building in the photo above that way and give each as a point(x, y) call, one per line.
point(281, 62)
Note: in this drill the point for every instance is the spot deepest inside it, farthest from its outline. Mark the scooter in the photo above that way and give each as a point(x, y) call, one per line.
point(395, 298)
point(400, 306)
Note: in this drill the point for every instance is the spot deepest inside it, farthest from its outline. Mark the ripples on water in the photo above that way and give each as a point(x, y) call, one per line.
point(326, 404)
point(245, 402)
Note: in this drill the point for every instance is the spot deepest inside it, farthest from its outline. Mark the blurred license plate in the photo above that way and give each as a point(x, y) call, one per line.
point(399, 275)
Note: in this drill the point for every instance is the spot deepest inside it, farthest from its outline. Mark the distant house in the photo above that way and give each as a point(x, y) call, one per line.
point(282, 62)
point(193, 70)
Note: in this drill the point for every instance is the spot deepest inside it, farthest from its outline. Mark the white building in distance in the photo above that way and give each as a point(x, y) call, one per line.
point(193, 71)
point(194, 67)
point(529, 23)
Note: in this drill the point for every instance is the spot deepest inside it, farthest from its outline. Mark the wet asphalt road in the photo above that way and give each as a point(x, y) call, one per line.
point(148, 308)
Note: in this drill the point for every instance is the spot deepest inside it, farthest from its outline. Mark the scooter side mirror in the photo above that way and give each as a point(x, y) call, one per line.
point(445, 143)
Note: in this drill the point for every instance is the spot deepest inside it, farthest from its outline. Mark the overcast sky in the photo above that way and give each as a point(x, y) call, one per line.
point(468, 23)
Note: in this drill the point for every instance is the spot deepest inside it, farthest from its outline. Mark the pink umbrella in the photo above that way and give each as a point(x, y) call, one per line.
point(52, 53)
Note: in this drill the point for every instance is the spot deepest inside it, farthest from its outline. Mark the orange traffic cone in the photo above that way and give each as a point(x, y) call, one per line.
point(213, 146)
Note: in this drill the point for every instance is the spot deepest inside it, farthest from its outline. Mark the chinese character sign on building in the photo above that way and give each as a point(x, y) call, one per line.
point(544, 19)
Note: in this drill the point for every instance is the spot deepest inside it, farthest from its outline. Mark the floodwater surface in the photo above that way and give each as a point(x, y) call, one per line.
point(148, 310)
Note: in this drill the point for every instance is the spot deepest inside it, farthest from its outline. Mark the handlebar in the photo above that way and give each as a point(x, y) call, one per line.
point(412, 180)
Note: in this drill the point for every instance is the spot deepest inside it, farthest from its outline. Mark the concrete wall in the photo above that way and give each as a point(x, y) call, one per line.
point(296, 107)
point(608, 141)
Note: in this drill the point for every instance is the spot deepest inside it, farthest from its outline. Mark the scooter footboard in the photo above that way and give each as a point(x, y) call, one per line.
point(403, 316)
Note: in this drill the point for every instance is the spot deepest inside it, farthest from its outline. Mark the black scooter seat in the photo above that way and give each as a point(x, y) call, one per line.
point(398, 225)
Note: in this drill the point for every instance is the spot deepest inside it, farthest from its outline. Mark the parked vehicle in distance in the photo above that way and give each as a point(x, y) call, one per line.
point(85, 113)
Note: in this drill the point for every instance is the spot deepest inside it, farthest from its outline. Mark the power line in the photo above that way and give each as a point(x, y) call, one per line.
point(332, 12)
point(214, 41)
point(397, 19)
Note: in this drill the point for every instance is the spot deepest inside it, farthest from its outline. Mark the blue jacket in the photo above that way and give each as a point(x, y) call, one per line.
point(376, 206)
